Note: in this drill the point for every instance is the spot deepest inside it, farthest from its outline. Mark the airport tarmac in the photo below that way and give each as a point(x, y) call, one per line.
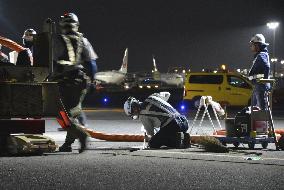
point(124, 165)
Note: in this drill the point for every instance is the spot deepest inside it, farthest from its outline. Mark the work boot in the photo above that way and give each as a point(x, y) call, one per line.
point(65, 148)
point(83, 141)
point(186, 141)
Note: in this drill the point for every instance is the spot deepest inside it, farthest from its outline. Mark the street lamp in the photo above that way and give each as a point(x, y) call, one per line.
point(273, 26)
point(274, 60)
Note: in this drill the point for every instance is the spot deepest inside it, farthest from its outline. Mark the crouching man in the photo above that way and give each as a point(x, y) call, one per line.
point(156, 113)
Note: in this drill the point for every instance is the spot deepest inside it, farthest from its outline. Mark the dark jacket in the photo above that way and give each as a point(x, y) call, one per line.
point(261, 65)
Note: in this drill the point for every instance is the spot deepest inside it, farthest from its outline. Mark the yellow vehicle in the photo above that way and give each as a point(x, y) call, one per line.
point(227, 88)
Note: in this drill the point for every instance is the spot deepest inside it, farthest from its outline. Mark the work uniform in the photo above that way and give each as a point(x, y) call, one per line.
point(74, 68)
point(260, 67)
point(157, 113)
point(25, 57)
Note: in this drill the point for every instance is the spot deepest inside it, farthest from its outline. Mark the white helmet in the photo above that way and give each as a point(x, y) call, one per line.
point(258, 38)
point(28, 34)
point(129, 104)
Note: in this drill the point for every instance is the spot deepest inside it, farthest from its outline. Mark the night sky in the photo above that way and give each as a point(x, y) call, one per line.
point(193, 34)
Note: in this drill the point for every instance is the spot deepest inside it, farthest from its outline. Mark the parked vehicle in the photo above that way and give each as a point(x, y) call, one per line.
point(227, 88)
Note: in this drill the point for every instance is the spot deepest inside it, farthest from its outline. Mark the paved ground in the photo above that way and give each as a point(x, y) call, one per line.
point(122, 165)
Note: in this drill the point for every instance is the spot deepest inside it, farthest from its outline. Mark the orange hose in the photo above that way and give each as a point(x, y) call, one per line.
point(11, 44)
point(115, 137)
point(279, 131)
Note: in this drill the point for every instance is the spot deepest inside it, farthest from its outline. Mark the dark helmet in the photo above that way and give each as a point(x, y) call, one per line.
point(69, 22)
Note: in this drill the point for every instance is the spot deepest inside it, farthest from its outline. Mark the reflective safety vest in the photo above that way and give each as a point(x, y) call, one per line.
point(74, 57)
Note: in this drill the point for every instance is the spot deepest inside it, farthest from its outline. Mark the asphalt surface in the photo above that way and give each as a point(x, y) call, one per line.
point(124, 165)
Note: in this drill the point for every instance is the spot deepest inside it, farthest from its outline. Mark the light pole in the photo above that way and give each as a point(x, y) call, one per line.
point(274, 61)
point(273, 26)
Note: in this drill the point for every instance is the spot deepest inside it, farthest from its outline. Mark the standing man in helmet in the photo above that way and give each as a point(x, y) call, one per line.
point(25, 57)
point(74, 69)
point(156, 113)
point(259, 69)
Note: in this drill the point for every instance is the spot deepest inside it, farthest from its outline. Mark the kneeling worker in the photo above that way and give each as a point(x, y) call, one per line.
point(155, 112)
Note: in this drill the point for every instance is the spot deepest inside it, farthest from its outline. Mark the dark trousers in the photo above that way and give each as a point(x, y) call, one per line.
point(72, 93)
point(166, 136)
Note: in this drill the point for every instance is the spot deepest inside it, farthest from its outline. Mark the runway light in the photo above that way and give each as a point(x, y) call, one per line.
point(182, 107)
point(105, 100)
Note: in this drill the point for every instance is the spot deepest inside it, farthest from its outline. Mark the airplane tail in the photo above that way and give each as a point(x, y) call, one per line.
point(154, 65)
point(155, 73)
point(123, 67)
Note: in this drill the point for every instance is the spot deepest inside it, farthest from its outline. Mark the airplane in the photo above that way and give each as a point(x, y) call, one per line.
point(171, 79)
point(115, 76)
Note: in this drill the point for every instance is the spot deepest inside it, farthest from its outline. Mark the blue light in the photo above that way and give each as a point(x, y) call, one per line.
point(182, 107)
point(105, 100)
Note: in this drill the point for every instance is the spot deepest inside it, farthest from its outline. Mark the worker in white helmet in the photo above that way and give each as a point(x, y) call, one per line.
point(259, 69)
point(25, 57)
point(156, 113)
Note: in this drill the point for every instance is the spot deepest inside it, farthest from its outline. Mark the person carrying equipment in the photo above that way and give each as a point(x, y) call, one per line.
point(156, 113)
point(74, 69)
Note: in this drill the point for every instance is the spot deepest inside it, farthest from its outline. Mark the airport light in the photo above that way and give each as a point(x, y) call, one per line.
point(273, 26)
point(282, 62)
point(223, 67)
point(274, 61)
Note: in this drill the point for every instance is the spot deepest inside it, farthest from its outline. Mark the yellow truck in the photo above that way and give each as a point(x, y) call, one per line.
point(227, 88)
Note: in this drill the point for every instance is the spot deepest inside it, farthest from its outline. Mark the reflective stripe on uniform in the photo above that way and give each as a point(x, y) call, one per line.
point(74, 57)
